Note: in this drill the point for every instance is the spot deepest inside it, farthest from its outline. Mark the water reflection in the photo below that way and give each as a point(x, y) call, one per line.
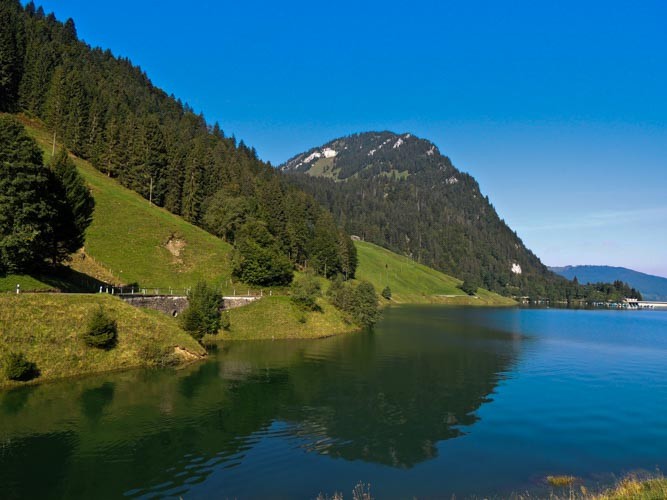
point(385, 397)
point(95, 400)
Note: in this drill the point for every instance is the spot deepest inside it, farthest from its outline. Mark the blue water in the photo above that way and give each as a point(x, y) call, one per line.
point(435, 402)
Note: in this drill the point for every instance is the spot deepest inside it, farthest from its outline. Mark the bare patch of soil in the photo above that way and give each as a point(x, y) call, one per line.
point(175, 246)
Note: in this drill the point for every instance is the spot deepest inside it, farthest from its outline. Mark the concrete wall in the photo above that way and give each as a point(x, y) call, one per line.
point(234, 302)
point(171, 305)
point(175, 305)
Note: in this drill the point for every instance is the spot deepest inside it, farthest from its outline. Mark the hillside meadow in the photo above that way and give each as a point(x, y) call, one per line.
point(47, 329)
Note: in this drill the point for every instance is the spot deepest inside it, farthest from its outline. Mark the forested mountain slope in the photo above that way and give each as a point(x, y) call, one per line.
point(400, 192)
point(107, 111)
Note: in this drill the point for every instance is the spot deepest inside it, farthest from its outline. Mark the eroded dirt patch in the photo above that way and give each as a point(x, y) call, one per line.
point(176, 245)
point(185, 355)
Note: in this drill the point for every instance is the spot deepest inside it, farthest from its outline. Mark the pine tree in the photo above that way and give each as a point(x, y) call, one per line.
point(16, 147)
point(155, 159)
point(28, 216)
point(77, 213)
point(11, 54)
point(43, 212)
point(325, 258)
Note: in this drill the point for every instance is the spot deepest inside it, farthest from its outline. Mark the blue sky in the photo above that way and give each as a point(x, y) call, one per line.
point(559, 109)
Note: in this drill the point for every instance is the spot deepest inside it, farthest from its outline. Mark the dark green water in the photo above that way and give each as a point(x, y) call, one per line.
point(434, 402)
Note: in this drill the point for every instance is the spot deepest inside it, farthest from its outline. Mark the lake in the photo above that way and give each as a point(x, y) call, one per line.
point(435, 401)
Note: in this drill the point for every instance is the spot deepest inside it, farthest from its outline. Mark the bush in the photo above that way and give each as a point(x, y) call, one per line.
point(203, 313)
point(304, 293)
point(258, 258)
point(386, 293)
point(469, 286)
point(365, 311)
point(360, 302)
point(102, 331)
point(18, 368)
point(158, 356)
point(225, 321)
point(340, 294)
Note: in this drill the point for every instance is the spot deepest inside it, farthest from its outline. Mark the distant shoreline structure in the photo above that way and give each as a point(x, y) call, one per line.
point(644, 304)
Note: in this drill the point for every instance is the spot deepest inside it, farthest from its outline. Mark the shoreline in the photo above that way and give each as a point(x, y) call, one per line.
point(274, 319)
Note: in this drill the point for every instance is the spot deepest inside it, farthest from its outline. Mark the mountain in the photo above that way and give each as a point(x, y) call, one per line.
point(651, 287)
point(399, 191)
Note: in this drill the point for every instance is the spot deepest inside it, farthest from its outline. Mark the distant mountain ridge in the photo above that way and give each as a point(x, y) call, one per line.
point(399, 191)
point(652, 287)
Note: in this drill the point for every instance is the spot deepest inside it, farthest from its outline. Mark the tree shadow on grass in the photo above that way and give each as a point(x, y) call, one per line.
point(67, 280)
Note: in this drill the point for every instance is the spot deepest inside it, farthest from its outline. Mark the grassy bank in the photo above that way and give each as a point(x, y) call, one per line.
point(278, 318)
point(636, 489)
point(631, 487)
point(46, 328)
point(413, 283)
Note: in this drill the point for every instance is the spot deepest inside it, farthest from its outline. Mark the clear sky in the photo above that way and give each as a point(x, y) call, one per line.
point(559, 109)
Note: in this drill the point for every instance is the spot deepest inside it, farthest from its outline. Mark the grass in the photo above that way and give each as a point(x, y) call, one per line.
point(637, 489)
point(278, 318)
point(646, 487)
point(27, 283)
point(561, 481)
point(46, 328)
point(413, 283)
point(59, 279)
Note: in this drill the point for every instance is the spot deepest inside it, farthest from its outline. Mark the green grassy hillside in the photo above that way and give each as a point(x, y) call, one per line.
point(46, 328)
point(414, 283)
point(278, 318)
point(130, 241)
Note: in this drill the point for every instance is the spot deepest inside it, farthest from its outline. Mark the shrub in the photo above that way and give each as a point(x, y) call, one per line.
point(102, 331)
point(157, 355)
point(225, 321)
point(365, 310)
point(203, 313)
point(340, 294)
point(360, 302)
point(469, 285)
point(18, 368)
point(386, 292)
point(258, 258)
point(304, 293)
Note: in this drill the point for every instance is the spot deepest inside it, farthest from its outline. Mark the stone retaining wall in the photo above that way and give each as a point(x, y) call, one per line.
point(234, 302)
point(171, 305)
point(175, 305)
